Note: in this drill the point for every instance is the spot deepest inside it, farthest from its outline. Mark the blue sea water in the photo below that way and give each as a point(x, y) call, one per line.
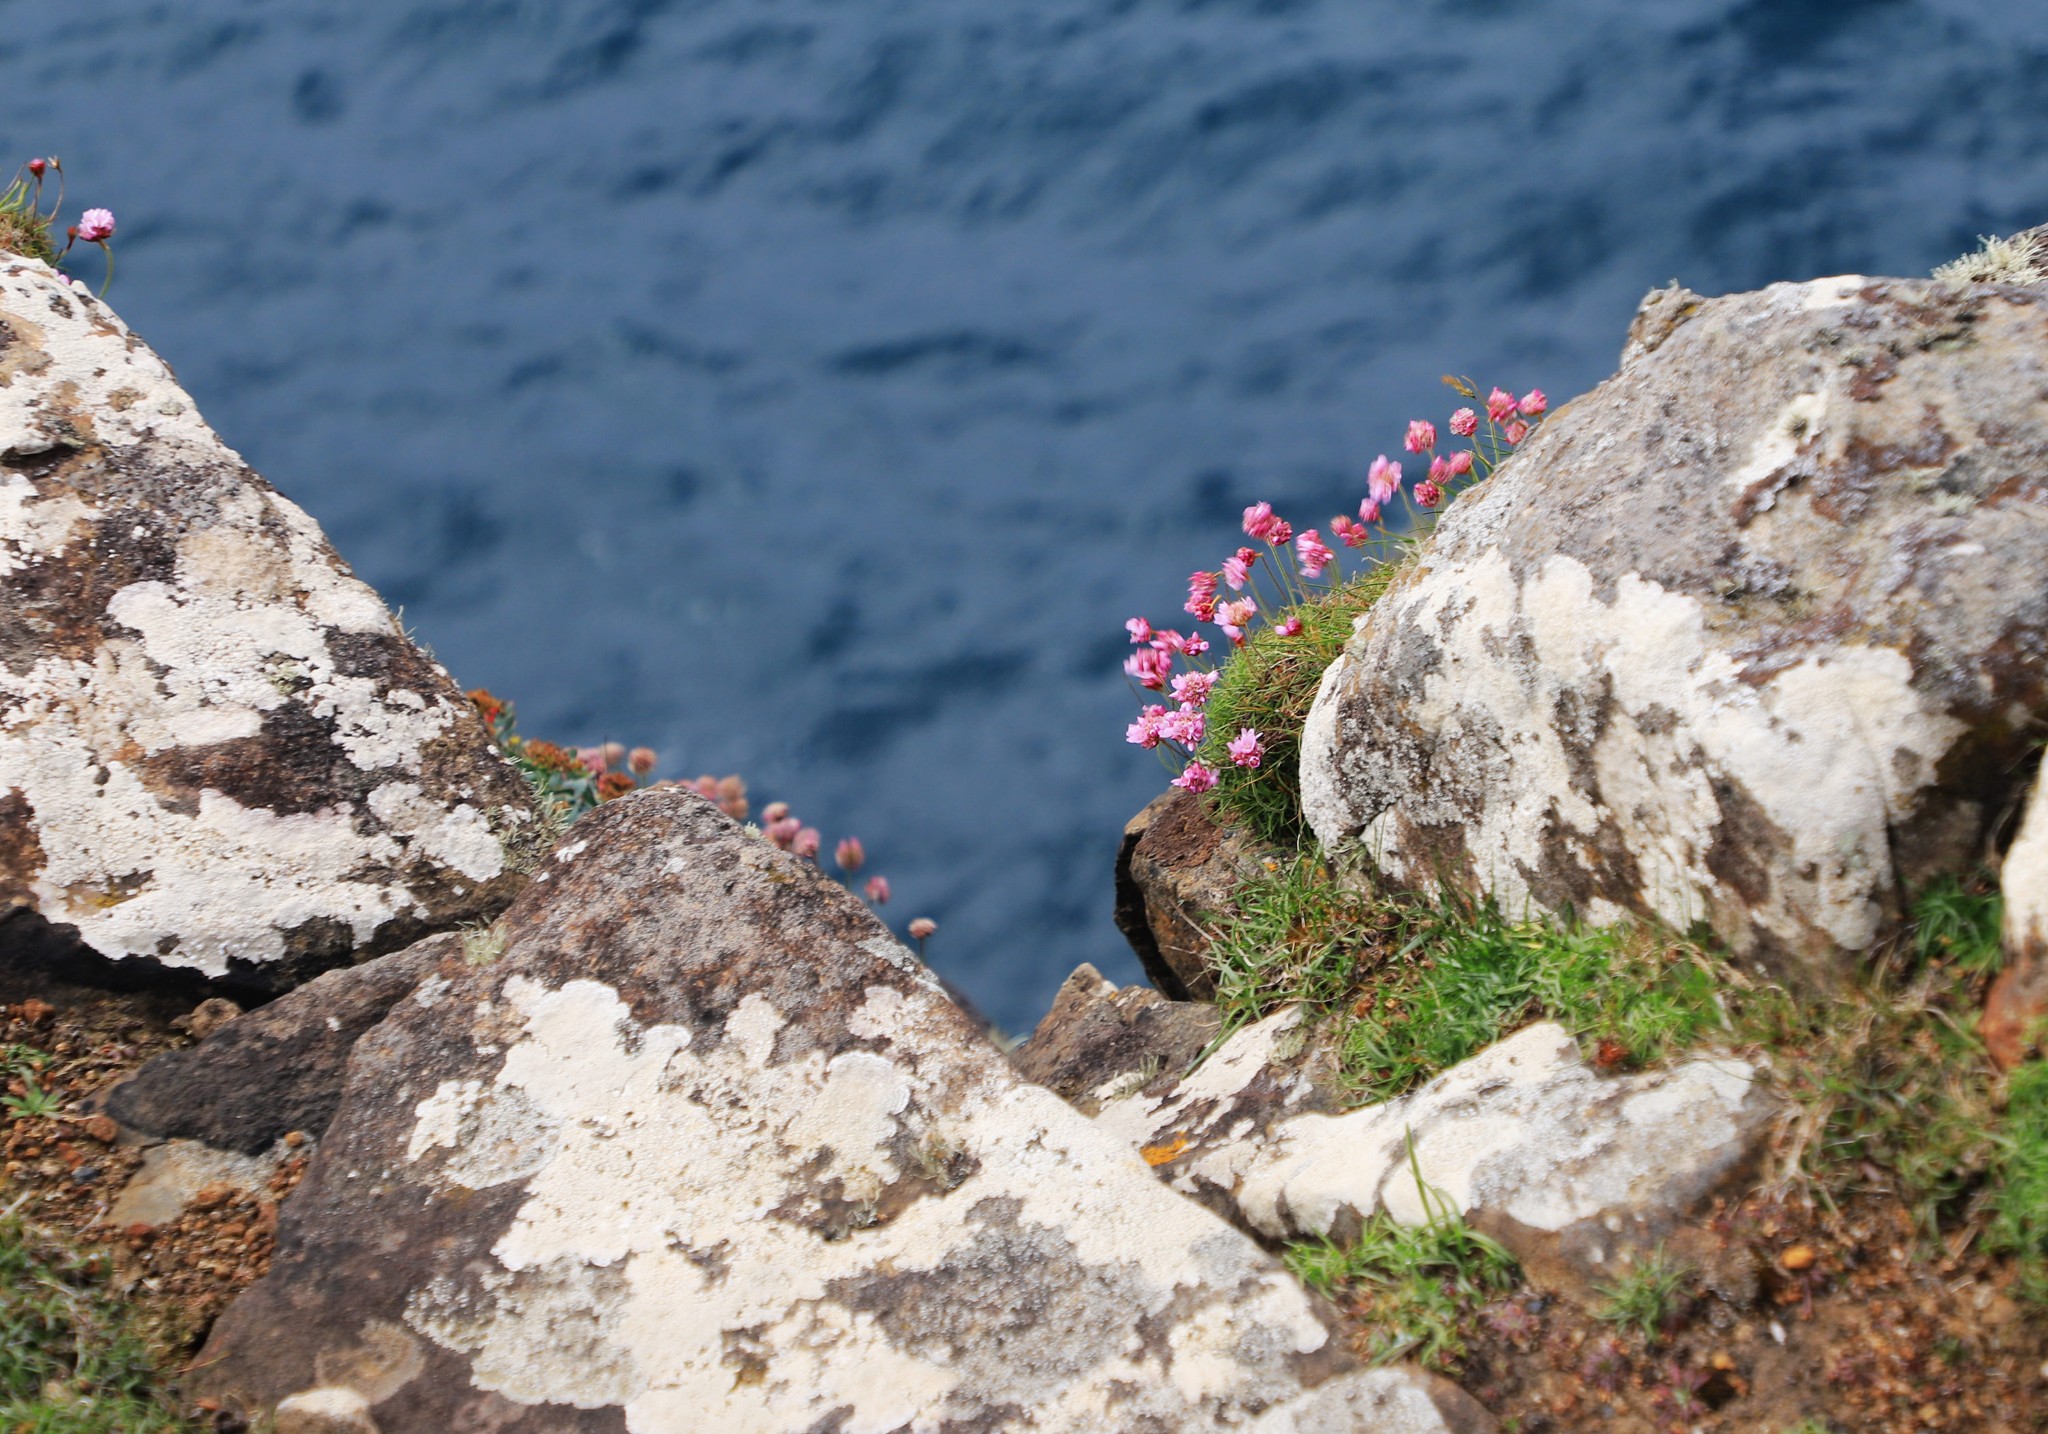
point(810, 388)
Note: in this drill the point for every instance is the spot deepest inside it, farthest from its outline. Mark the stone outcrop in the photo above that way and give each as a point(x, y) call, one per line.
point(1753, 634)
point(219, 754)
point(279, 1068)
point(1576, 1173)
point(2016, 1008)
point(1101, 1040)
point(704, 1147)
point(1175, 875)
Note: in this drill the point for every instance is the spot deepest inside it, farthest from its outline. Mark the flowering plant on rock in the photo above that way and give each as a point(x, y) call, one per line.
point(1282, 606)
point(25, 227)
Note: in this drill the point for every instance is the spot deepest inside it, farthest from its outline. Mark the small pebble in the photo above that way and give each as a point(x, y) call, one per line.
point(1777, 1332)
point(85, 1175)
point(1799, 1257)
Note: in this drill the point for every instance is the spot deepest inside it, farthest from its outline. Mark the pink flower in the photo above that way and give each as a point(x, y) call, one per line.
point(1282, 530)
point(1369, 511)
point(1139, 629)
point(849, 854)
point(783, 831)
point(1461, 462)
point(591, 757)
point(806, 842)
point(1533, 402)
point(1350, 534)
point(1258, 520)
point(1439, 470)
point(1148, 667)
point(1288, 626)
point(96, 226)
point(1421, 435)
point(1201, 603)
point(1500, 405)
point(1237, 568)
point(641, 760)
point(1246, 749)
point(1185, 725)
point(1464, 423)
point(774, 812)
point(1194, 687)
point(878, 890)
point(1312, 554)
point(1428, 494)
point(1515, 432)
point(922, 928)
point(1194, 644)
point(1145, 731)
point(37, 166)
point(1197, 778)
point(1239, 613)
point(1167, 640)
point(1383, 479)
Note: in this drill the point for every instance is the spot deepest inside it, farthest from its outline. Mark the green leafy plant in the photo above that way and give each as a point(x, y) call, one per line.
point(1417, 1287)
point(32, 1101)
point(73, 1360)
point(1646, 1298)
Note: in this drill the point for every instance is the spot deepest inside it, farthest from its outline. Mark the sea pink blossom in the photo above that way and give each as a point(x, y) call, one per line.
point(1185, 725)
point(1194, 644)
point(1288, 626)
point(1350, 534)
point(1369, 511)
point(1428, 494)
point(1311, 552)
point(783, 831)
point(1421, 435)
point(1383, 479)
point(774, 812)
point(641, 760)
point(1461, 462)
point(1201, 603)
point(922, 928)
point(1533, 403)
point(1515, 432)
point(1168, 640)
point(1246, 749)
point(1194, 687)
point(1139, 629)
point(1197, 778)
point(1148, 667)
point(37, 166)
point(1280, 533)
point(591, 757)
point(1500, 405)
point(850, 854)
point(1237, 568)
point(96, 226)
point(806, 842)
point(1464, 423)
point(1439, 470)
point(1145, 731)
point(1258, 520)
point(878, 890)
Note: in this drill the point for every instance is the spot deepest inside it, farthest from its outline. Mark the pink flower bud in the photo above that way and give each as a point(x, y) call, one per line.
point(641, 760)
point(806, 843)
point(1289, 626)
point(878, 890)
point(1461, 462)
point(591, 757)
point(1464, 423)
point(1421, 435)
point(1139, 629)
point(1500, 405)
point(37, 166)
point(922, 928)
point(774, 812)
point(1515, 432)
point(849, 854)
point(1533, 402)
point(1428, 494)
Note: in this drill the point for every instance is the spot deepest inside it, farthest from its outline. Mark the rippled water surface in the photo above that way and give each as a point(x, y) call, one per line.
point(810, 389)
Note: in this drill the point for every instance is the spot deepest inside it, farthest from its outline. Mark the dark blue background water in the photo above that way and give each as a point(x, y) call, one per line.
point(811, 389)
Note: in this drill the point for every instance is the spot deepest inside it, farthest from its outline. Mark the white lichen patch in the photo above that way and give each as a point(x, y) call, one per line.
point(1829, 751)
point(168, 748)
point(739, 1240)
point(2023, 880)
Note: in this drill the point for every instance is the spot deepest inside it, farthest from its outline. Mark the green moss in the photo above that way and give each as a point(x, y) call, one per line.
point(73, 1360)
point(1268, 685)
point(2019, 1205)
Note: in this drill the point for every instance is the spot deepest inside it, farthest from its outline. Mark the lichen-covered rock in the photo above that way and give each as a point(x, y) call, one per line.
point(1101, 1040)
point(706, 1148)
point(1176, 873)
point(2016, 1008)
point(218, 752)
point(1576, 1173)
point(278, 1068)
point(1755, 633)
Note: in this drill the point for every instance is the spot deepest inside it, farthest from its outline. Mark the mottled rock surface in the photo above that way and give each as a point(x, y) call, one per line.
point(1755, 633)
point(1575, 1172)
point(1101, 1039)
point(706, 1148)
point(218, 752)
point(280, 1067)
point(1175, 875)
point(2016, 1008)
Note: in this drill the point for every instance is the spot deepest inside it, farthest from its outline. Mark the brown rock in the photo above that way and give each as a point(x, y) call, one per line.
point(706, 1148)
point(279, 1068)
point(220, 757)
point(2015, 1012)
point(1177, 871)
point(1099, 1040)
point(1753, 634)
point(207, 1017)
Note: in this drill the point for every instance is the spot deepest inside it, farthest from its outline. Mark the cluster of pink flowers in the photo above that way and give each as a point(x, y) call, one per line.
point(1179, 729)
point(24, 197)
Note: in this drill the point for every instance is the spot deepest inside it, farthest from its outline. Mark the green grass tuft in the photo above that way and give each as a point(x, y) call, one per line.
point(1295, 935)
point(1268, 685)
point(1646, 1298)
point(72, 1359)
point(1416, 1286)
point(2019, 1206)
